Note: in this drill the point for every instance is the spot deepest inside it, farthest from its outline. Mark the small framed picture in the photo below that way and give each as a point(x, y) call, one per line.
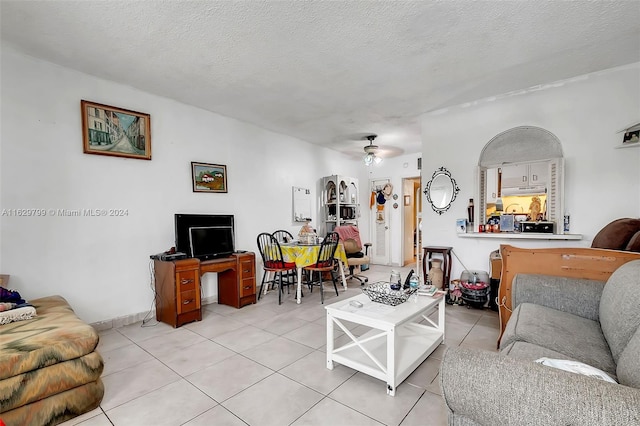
point(461, 226)
point(208, 177)
point(631, 137)
point(114, 131)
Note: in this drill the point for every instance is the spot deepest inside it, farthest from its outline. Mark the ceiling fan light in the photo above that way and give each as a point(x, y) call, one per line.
point(368, 159)
point(370, 150)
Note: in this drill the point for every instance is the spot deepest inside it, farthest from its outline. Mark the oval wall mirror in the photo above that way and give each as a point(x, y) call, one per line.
point(441, 190)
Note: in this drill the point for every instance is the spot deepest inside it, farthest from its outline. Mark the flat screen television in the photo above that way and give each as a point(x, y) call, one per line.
point(219, 241)
point(210, 242)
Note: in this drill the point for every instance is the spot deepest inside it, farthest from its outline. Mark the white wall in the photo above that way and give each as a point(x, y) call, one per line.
point(601, 183)
point(101, 264)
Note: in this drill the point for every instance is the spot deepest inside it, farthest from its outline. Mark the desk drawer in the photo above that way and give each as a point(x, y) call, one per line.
point(247, 287)
point(187, 301)
point(186, 280)
point(247, 268)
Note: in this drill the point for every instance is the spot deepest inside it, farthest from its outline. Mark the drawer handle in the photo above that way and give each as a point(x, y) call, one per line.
point(247, 287)
point(246, 271)
point(186, 302)
point(185, 281)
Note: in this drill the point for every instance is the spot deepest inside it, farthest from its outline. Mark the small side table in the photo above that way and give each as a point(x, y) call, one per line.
point(446, 262)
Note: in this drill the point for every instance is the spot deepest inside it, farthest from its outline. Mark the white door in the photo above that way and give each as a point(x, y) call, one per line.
point(380, 233)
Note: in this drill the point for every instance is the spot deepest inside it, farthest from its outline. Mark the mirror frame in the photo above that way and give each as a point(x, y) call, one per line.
point(427, 190)
point(301, 205)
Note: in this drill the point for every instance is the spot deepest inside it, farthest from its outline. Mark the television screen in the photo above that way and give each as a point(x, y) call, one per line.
point(184, 221)
point(210, 242)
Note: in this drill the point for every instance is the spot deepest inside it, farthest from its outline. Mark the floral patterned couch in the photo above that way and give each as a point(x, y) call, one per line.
point(49, 369)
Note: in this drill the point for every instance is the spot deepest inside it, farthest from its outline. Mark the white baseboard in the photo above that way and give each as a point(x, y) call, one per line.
point(134, 318)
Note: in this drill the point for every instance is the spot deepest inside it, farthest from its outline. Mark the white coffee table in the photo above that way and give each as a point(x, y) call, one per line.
point(395, 346)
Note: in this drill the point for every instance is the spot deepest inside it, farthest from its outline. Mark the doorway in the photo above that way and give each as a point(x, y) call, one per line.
point(380, 228)
point(412, 206)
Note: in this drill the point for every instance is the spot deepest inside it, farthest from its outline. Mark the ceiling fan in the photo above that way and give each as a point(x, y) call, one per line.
point(370, 151)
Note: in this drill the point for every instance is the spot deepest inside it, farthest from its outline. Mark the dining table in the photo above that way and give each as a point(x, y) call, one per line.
point(307, 254)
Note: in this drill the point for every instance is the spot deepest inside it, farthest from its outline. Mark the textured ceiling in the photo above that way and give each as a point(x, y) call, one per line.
point(329, 72)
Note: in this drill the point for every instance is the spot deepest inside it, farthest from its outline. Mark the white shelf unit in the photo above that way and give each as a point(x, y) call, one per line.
point(395, 346)
point(340, 201)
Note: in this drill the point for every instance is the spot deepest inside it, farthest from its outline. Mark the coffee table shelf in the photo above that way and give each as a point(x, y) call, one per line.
point(395, 346)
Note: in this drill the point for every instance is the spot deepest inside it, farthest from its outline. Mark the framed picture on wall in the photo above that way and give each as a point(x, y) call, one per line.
point(114, 131)
point(631, 137)
point(207, 177)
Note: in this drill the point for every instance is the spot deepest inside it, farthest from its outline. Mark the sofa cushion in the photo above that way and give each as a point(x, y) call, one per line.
point(575, 337)
point(616, 234)
point(54, 336)
point(619, 313)
point(42, 383)
point(628, 368)
point(57, 408)
point(576, 296)
point(529, 352)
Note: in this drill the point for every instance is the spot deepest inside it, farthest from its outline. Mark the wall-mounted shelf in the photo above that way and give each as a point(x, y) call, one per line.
point(521, 236)
point(628, 145)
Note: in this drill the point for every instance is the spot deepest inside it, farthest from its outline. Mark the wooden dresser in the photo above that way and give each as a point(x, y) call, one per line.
point(177, 285)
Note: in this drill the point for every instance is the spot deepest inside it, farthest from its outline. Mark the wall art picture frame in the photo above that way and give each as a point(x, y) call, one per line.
point(206, 177)
point(119, 132)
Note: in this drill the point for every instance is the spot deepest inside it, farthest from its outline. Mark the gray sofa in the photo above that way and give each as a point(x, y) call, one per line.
point(591, 321)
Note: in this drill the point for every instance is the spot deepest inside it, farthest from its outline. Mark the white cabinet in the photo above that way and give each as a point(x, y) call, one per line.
point(340, 201)
point(538, 174)
point(492, 186)
point(515, 176)
point(525, 175)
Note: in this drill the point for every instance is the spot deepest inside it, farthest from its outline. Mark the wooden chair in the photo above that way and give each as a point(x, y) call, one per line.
point(325, 262)
point(283, 236)
point(273, 261)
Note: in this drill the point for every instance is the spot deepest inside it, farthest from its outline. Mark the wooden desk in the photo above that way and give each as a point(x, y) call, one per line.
point(177, 285)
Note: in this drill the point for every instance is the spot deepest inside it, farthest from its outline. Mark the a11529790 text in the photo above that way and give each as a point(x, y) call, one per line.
point(64, 212)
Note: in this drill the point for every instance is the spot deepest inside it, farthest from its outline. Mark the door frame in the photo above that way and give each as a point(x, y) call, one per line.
point(411, 186)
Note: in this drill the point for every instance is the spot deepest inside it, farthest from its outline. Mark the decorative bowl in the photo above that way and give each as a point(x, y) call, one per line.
point(382, 292)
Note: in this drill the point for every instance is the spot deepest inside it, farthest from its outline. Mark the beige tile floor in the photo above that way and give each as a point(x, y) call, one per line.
point(264, 364)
